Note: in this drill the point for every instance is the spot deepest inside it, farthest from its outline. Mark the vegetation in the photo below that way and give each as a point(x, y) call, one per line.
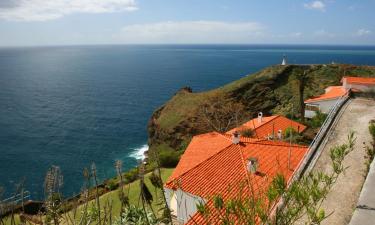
point(281, 204)
point(112, 205)
point(274, 90)
point(318, 120)
point(370, 150)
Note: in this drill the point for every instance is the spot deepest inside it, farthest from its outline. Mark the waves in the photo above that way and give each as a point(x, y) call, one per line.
point(138, 153)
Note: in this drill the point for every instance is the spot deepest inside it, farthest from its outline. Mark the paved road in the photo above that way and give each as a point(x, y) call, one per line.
point(342, 200)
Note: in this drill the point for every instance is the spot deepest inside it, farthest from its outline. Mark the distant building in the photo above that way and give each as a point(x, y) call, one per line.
point(362, 84)
point(228, 164)
point(284, 62)
point(324, 102)
point(266, 127)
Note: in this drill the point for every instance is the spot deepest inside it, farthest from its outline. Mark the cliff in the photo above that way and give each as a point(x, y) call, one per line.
point(271, 90)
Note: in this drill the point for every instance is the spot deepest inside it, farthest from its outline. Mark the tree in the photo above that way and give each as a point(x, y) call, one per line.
point(220, 114)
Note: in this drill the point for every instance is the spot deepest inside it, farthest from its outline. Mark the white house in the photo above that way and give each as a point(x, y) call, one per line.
point(324, 102)
point(362, 84)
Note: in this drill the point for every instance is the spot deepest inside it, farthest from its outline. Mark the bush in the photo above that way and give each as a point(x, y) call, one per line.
point(247, 133)
point(318, 119)
point(290, 131)
point(111, 185)
point(131, 175)
point(371, 129)
point(169, 159)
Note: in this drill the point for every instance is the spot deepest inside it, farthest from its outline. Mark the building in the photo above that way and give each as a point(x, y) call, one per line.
point(362, 84)
point(267, 127)
point(284, 62)
point(324, 102)
point(226, 165)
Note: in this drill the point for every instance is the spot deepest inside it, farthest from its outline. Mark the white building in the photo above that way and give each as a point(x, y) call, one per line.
point(324, 102)
point(362, 84)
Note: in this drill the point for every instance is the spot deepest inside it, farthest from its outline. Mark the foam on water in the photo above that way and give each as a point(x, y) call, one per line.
point(138, 153)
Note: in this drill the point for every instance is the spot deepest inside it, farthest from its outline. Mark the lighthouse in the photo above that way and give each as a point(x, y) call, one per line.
point(283, 63)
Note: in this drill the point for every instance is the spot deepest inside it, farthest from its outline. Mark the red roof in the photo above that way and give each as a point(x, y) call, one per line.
point(332, 92)
point(269, 125)
point(224, 170)
point(359, 80)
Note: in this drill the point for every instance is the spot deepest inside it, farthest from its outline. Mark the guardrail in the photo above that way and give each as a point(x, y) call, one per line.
point(309, 159)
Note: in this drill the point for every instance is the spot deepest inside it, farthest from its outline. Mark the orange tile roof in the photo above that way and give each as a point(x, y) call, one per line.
point(359, 80)
point(225, 172)
point(269, 125)
point(200, 148)
point(332, 92)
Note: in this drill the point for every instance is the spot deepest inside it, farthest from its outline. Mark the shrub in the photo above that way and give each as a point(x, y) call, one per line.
point(318, 119)
point(111, 185)
point(131, 175)
point(169, 159)
point(247, 133)
point(290, 131)
point(371, 129)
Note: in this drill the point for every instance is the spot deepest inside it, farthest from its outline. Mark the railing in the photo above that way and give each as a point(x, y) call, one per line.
point(17, 198)
point(11, 203)
point(309, 159)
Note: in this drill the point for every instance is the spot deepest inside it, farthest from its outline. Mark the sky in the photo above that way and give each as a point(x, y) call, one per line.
point(77, 22)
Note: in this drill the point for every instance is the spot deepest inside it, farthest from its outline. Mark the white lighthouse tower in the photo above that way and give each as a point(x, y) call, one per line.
point(284, 62)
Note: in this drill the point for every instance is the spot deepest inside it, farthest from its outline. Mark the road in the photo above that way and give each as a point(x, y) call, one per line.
point(343, 197)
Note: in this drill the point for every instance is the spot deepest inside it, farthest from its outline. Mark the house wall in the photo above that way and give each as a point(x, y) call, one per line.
point(183, 205)
point(309, 113)
point(361, 87)
point(324, 107)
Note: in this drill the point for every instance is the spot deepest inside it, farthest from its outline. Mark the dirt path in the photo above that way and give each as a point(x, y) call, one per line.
point(344, 195)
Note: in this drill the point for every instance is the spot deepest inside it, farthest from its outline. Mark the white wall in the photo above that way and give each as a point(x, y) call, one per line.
point(324, 107)
point(364, 88)
point(182, 204)
point(309, 113)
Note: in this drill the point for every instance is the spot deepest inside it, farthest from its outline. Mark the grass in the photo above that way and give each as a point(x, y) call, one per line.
point(133, 191)
point(113, 197)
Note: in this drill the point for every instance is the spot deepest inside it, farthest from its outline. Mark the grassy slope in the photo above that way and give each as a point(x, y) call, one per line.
point(272, 90)
point(134, 192)
point(133, 196)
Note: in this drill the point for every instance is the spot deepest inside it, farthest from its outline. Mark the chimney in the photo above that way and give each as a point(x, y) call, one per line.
point(260, 117)
point(252, 165)
point(280, 134)
point(236, 138)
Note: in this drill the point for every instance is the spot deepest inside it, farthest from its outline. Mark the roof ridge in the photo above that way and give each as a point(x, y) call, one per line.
point(274, 117)
point(278, 143)
point(245, 168)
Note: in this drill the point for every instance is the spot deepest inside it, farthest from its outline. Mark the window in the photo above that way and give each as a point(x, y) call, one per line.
point(312, 107)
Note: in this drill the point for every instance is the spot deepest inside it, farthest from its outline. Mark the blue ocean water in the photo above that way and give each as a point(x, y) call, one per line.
point(72, 106)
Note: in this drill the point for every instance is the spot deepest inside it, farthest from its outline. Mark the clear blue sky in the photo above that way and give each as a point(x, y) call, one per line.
point(69, 22)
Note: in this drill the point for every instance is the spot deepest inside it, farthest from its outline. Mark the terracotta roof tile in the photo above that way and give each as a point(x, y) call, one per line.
point(332, 92)
point(226, 174)
point(360, 80)
point(269, 125)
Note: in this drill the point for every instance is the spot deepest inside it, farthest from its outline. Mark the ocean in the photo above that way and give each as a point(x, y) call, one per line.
point(72, 106)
